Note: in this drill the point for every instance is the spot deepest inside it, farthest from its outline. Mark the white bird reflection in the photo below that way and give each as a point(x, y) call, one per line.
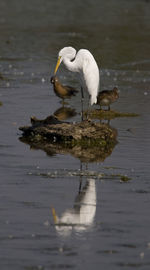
point(81, 216)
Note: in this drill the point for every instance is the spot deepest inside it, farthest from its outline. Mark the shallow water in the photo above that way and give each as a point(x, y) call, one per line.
point(106, 226)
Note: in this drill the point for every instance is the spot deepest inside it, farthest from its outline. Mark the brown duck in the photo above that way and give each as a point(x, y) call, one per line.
point(107, 97)
point(62, 91)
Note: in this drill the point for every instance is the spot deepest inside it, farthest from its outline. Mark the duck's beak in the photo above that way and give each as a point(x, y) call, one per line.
point(57, 65)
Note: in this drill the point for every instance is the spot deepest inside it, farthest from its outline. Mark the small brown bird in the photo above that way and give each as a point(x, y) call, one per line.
point(62, 91)
point(107, 97)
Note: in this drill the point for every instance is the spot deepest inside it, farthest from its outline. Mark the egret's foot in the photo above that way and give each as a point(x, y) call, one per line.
point(89, 119)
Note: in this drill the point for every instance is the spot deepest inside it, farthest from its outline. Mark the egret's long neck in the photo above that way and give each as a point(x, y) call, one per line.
point(71, 65)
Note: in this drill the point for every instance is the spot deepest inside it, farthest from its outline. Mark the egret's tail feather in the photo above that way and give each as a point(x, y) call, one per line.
point(93, 100)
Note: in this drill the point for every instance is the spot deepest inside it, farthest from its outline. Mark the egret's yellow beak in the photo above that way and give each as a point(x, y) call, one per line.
point(57, 65)
point(54, 215)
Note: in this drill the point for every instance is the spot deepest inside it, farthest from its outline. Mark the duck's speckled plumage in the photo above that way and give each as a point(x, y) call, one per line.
point(107, 97)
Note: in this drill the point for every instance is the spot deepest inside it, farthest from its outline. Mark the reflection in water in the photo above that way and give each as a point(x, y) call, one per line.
point(81, 216)
point(64, 113)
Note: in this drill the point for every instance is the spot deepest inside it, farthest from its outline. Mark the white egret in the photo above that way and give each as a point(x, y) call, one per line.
point(83, 63)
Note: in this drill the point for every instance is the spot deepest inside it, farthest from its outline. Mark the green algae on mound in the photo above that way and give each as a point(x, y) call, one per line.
point(124, 178)
point(83, 172)
point(102, 114)
point(121, 177)
point(1, 77)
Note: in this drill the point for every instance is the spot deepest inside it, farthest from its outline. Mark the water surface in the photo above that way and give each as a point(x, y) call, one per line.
point(108, 225)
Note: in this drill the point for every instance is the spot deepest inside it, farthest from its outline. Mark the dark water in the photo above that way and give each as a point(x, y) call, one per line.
point(106, 226)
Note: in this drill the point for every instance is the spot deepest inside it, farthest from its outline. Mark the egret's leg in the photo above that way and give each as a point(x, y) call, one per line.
point(80, 183)
point(82, 95)
point(108, 121)
point(87, 116)
point(82, 98)
point(63, 102)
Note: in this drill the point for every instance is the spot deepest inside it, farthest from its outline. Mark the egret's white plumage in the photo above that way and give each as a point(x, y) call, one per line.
point(83, 63)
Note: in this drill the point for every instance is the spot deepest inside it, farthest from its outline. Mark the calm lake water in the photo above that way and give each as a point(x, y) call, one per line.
point(107, 225)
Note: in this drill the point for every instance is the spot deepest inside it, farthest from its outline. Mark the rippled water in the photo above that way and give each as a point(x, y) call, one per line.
point(106, 225)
